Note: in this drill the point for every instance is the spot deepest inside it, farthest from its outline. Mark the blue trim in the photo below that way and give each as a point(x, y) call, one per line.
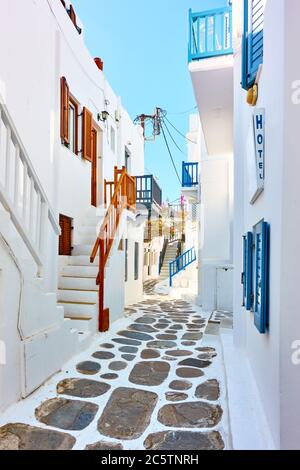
point(253, 41)
point(261, 255)
point(181, 263)
point(203, 44)
point(190, 174)
point(247, 271)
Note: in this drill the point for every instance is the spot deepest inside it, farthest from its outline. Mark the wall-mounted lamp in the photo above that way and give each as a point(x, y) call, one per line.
point(103, 116)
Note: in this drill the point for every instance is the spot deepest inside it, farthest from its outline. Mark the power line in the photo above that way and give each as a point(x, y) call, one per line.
point(173, 140)
point(173, 163)
point(180, 133)
point(184, 112)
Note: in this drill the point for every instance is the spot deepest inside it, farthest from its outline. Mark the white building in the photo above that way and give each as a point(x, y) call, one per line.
point(250, 56)
point(64, 134)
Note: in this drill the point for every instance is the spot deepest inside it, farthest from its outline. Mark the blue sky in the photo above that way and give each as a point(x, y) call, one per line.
point(143, 44)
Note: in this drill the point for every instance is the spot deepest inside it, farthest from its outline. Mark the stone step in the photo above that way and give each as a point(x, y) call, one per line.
point(78, 310)
point(81, 271)
point(77, 296)
point(80, 260)
point(82, 250)
point(74, 283)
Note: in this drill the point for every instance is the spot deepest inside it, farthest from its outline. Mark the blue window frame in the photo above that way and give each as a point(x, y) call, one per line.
point(247, 271)
point(261, 246)
point(253, 40)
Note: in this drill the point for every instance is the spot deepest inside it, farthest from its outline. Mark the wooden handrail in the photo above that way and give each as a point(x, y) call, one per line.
point(124, 197)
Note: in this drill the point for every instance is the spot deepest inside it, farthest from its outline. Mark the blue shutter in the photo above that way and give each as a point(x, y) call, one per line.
point(253, 40)
point(261, 276)
point(247, 271)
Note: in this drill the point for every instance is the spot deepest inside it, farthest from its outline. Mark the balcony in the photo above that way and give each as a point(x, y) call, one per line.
point(148, 193)
point(211, 40)
point(190, 174)
point(210, 33)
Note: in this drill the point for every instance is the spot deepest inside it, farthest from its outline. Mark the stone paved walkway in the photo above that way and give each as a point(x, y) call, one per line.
point(149, 383)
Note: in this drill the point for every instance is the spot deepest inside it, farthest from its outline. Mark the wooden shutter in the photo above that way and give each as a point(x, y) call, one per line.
point(87, 138)
point(94, 169)
point(256, 37)
point(64, 111)
point(65, 239)
point(261, 275)
point(72, 15)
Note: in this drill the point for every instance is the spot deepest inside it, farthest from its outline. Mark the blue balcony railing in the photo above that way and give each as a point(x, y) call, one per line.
point(190, 174)
point(181, 263)
point(210, 33)
point(148, 191)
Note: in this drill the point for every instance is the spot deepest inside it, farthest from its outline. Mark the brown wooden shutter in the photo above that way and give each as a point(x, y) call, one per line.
point(64, 111)
point(72, 15)
point(65, 239)
point(87, 128)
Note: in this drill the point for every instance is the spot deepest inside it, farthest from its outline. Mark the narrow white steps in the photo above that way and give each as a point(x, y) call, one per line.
point(77, 296)
point(81, 271)
point(79, 283)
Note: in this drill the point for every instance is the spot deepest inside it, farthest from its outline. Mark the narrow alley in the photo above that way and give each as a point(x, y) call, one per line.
point(154, 381)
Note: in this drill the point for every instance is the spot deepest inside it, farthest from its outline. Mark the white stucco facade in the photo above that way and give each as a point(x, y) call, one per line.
point(30, 74)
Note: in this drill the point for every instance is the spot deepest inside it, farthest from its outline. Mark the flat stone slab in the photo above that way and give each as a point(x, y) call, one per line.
point(179, 353)
point(162, 344)
point(109, 376)
point(127, 413)
point(128, 349)
point(102, 445)
point(190, 415)
point(142, 328)
point(184, 440)
point(189, 373)
point(180, 385)
point(73, 415)
point(130, 342)
point(117, 365)
point(167, 337)
point(150, 354)
point(176, 396)
point(88, 367)
point(147, 320)
point(24, 437)
point(192, 336)
point(128, 357)
point(107, 346)
point(82, 388)
point(198, 363)
point(103, 355)
point(135, 335)
point(209, 390)
point(206, 349)
point(188, 343)
point(149, 373)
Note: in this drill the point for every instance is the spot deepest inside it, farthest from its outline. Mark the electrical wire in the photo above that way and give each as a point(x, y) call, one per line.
point(180, 133)
point(184, 112)
point(170, 153)
point(173, 140)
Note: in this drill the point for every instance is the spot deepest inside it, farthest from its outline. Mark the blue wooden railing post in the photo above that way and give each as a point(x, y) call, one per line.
point(181, 263)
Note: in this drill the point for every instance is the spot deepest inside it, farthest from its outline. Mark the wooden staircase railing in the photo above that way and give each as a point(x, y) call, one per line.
point(123, 196)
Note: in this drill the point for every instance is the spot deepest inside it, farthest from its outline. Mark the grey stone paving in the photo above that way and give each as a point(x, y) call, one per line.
point(163, 375)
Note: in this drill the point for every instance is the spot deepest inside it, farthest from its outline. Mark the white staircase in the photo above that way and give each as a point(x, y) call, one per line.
point(77, 289)
point(170, 255)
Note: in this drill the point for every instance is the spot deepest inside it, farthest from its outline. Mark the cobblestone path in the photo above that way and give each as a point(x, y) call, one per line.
point(149, 383)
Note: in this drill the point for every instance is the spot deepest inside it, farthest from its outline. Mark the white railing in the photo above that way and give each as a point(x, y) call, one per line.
point(21, 192)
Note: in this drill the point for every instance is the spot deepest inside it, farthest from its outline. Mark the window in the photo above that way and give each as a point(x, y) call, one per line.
point(253, 41)
point(112, 139)
point(136, 261)
point(127, 162)
point(65, 239)
point(73, 125)
point(126, 260)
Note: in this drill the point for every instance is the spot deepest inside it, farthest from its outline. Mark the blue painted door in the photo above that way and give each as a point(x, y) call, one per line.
point(261, 276)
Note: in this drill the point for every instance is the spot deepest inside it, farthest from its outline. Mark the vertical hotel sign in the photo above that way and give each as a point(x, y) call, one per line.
point(259, 147)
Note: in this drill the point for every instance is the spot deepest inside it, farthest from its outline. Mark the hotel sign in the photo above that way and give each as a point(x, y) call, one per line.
point(257, 155)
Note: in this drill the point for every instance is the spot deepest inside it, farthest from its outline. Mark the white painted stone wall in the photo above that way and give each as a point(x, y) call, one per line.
point(277, 378)
point(38, 45)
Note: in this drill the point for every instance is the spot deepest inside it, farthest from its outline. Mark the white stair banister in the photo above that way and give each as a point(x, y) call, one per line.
point(36, 207)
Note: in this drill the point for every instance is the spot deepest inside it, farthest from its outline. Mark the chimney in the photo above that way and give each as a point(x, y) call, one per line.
point(99, 63)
